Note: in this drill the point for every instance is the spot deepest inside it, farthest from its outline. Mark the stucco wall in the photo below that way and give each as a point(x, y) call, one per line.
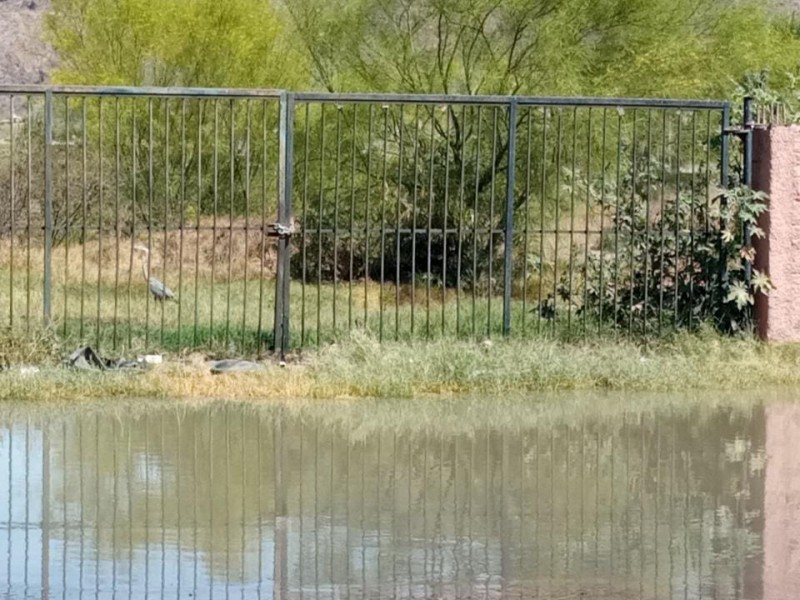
point(776, 170)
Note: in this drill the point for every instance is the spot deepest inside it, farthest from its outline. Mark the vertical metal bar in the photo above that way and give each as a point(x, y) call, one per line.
point(352, 222)
point(232, 169)
point(150, 197)
point(724, 184)
point(28, 215)
point(706, 221)
point(526, 229)
point(116, 216)
point(13, 209)
point(557, 221)
point(649, 179)
point(397, 226)
point(319, 217)
point(725, 149)
point(429, 227)
point(383, 217)
point(692, 201)
point(509, 217)
point(445, 217)
point(165, 216)
point(573, 179)
point(198, 211)
point(490, 254)
point(632, 241)
point(214, 221)
point(248, 120)
point(48, 207)
point(747, 175)
point(601, 288)
point(67, 212)
point(133, 221)
point(542, 199)
point(99, 218)
point(677, 218)
point(662, 219)
point(462, 142)
point(84, 189)
point(263, 250)
point(304, 239)
point(182, 219)
point(586, 240)
point(336, 190)
point(617, 202)
point(414, 220)
point(475, 224)
point(286, 163)
point(367, 218)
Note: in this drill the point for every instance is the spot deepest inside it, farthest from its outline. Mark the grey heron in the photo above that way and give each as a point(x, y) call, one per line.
point(160, 291)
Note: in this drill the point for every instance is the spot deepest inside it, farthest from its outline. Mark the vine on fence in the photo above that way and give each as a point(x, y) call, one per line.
point(686, 266)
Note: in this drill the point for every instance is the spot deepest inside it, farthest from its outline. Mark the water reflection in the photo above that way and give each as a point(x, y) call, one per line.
point(229, 499)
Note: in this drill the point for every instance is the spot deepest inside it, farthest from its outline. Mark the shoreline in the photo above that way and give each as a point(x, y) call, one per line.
point(362, 368)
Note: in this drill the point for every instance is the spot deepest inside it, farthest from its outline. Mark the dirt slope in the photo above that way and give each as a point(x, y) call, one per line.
point(24, 57)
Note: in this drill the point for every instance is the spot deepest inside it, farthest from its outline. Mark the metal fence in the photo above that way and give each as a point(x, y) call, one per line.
point(286, 219)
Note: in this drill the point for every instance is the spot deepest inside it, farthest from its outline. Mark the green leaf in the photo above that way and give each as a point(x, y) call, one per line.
point(761, 282)
point(739, 294)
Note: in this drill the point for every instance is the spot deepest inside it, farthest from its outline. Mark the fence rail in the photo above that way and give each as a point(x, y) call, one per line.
point(283, 219)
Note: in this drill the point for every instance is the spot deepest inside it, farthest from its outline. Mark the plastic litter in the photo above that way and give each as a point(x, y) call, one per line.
point(87, 359)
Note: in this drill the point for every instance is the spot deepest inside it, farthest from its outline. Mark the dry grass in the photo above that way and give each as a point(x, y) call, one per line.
point(223, 251)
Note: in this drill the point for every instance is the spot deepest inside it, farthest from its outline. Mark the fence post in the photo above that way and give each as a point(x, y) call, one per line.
point(282, 276)
point(509, 220)
point(48, 208)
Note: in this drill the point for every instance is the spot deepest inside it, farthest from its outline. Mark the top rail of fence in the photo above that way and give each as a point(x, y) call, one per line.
point(124, 91)
point(392, 98)
point(504, 100)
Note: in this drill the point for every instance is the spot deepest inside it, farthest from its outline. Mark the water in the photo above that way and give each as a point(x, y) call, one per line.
point(479, 499)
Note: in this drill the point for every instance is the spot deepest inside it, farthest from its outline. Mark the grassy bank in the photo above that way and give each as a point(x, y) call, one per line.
point(360, 367)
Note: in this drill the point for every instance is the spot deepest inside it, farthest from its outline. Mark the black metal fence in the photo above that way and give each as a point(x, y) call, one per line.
point(284, 219)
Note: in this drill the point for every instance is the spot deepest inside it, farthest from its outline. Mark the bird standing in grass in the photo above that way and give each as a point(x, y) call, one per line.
point(160, 291)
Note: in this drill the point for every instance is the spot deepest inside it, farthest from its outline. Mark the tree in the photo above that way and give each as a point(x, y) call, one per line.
point(236, 43)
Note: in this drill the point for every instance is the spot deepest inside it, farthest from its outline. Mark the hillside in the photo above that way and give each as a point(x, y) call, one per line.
point(26, 58)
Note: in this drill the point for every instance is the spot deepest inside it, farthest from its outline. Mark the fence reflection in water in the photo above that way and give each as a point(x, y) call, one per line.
point(230, 499)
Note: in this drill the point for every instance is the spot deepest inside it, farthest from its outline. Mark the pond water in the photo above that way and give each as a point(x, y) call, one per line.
point(467, 499)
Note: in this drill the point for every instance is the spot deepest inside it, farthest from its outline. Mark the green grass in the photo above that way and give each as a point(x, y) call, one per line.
point(360, 367)
point(236, 318)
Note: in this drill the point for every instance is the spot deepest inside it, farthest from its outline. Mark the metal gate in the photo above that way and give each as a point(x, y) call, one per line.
point(141, 218)
point(280, 220)
point(425, 217)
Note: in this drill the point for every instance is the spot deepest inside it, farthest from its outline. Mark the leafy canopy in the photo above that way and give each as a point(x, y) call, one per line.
point(235, 43)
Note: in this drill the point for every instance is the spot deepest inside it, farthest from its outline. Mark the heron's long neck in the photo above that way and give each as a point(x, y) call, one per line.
point(145, 272)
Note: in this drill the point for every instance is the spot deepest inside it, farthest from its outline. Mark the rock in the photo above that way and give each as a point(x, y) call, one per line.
point(234, 365)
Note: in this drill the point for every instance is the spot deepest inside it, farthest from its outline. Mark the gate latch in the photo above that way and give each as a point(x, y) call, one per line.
point(282, 231)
